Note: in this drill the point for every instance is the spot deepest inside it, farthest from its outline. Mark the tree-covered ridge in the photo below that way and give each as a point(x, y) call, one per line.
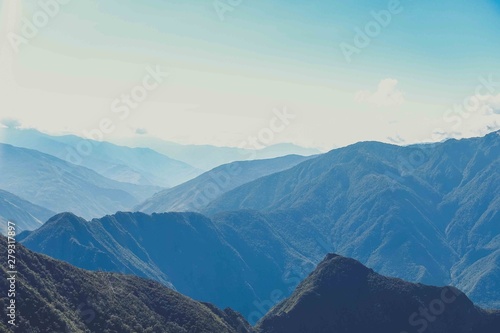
point(55, 297)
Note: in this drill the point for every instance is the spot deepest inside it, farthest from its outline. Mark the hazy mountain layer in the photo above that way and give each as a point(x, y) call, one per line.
point(207, 157)
point(24, 214)
point(140, 166)
point(195, 194)
point(60, 186)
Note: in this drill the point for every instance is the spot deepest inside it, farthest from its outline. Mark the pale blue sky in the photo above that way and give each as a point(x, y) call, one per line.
point(226, 77)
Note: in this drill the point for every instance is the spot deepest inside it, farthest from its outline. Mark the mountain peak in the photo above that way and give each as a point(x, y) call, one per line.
point(335, 269)
point(342, 296)
point(68, 217)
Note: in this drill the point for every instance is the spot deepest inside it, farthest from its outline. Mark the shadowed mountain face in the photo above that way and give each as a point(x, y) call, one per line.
point(139, 166)
point(60, 186)
point(195, 194)
point(52, 296)
point(24, 214)
point(188, 251)
point(426, 213)
point(343, 296)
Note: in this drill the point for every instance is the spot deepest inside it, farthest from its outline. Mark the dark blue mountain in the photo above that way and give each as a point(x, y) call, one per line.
point(187, 251)
point(55, 297)
point(343, 296)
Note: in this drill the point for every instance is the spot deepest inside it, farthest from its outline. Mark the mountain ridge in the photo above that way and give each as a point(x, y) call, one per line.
point(195, 194)
point(199, 257)
point(415, 211)
point(26, 215)
point(53, 296)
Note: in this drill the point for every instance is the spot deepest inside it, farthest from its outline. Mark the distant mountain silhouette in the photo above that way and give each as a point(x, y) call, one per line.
point(55, 297)
point(343, 296)
point(140, 166)
point(195, 194)
point(24, 214)
point(207, 157)
point(59, 186)
point(425, 213)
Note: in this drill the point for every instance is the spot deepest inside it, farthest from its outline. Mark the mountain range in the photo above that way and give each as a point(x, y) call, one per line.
point(141, 166)
point(59, 186)
point(425, 213)
point(340, 295)
point(207, 157)
point(184, 251)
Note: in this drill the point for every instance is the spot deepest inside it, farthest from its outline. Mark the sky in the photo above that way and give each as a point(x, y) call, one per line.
point(217, 72)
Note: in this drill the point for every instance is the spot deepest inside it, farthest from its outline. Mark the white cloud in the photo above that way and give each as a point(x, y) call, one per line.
point(477, 115)
point(490, 103)
point(388, 94)
point(141, 131)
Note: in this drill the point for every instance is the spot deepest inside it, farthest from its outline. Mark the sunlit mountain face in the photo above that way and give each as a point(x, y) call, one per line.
point(235, 166)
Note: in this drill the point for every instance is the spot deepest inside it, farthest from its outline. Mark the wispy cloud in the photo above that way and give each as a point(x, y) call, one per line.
point(141, 131)
point(490, 104)
point(387, 94)
point(10, 123)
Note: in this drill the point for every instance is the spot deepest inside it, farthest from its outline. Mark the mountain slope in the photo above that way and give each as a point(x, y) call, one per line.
point(140, 166)
point(24, 214)
point(59, 186)
point(342, 295)
point(195, 194)
point(53, 296)
point(425, 213)
point(186, 250)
